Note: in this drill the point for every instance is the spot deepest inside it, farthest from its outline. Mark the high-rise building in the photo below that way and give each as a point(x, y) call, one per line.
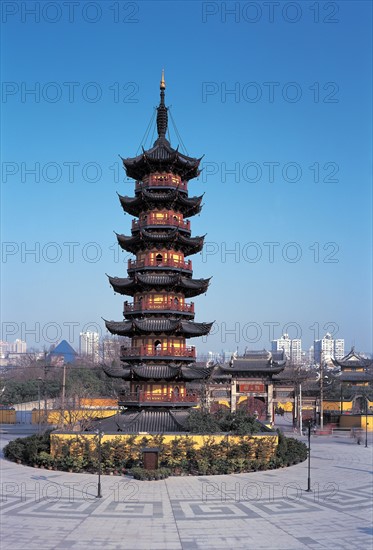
point(339, 348)
point(89, 345)
point(329, 348)
point(21, 346)
point(296, 351)
point(4, 349)
point(291, 348)
point(18, 346)
point(283, 343)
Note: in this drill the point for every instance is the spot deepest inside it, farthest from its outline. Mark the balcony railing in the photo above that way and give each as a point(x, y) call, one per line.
point(143, 351)
point(151, 306)
point(147, 397)
point(161, 181)
point(153, 220)
point(170, 262)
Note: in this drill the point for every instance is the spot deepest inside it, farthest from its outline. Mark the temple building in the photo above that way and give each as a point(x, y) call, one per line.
point(159, 320)
point(355, 369)
point(248, 382)
point(356, 377)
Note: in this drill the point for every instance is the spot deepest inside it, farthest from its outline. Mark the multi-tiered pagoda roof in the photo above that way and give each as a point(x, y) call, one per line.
point(354, 368)
point(145, 199)
point(159, 321)
point(166, 281)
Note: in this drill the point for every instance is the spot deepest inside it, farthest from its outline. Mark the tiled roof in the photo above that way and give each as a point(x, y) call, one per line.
point(162, 421)
point(353, 359)
point(156, 372)
point(196, 373)
point(188, 329)
point(188, 206)
point(162, 157)
point(117, 371)
point(128, 286)
point(133, 243)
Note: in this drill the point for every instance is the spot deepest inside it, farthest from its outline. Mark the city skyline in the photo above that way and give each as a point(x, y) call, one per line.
point(286, 134)
point(106, 348)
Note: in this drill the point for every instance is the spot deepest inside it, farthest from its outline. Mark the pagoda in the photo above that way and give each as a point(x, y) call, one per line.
point(159, 320)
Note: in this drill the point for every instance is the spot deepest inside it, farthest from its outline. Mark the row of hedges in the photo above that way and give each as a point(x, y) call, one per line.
point(179, 457)
point(26, 450)
point(238, 422)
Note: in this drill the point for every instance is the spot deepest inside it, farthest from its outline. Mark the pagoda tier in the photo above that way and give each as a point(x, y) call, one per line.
point(160, 371)
point(170, 239)
point(164, 304)
point(142, 282)
point(160, 260)
point(162, 158)
point(147, 200)
point(187, 329)
point(150, 353)
point(162, 218)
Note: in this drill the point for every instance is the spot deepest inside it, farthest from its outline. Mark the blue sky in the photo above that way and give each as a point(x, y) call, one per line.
point(282, 98)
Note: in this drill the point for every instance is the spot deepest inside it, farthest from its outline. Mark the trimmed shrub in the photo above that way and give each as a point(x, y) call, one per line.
point(239, 422)
point(149, 475)
point(290, 451)
point(26, 449)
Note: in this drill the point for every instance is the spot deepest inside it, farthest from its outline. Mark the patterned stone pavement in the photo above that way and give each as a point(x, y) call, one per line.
point(271, 510)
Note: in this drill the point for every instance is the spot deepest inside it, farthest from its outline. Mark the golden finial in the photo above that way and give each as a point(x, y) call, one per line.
point(163, 83)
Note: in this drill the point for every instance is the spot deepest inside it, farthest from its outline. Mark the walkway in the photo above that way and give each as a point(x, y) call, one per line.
point(271, 510)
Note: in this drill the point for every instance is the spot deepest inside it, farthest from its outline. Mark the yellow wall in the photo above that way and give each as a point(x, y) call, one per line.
point(7, 416)
point(287, 406)
point(99, 402)
point(224, 402)
point(336, 405)
point(356, 421)
point(200, 440)
point(71, 416)
point(370, 422)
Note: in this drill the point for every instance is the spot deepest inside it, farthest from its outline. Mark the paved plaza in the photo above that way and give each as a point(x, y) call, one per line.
point(47, 510)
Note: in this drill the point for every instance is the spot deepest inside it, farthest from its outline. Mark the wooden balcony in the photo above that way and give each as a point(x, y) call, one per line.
point(142, 398)
point(167, 180)
point(170, 263)
point(171, 352)
point(164, 222)
point(165, 307)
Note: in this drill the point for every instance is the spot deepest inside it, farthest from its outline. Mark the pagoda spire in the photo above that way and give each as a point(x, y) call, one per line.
point(162, 116)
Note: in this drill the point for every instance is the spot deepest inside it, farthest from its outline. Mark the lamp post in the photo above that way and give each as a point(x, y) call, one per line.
point(39, 380)
point(321, 392)
point(99, 434)
point(366, 421)
point(309, 458)
point(300, 410)
point(62, 415)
